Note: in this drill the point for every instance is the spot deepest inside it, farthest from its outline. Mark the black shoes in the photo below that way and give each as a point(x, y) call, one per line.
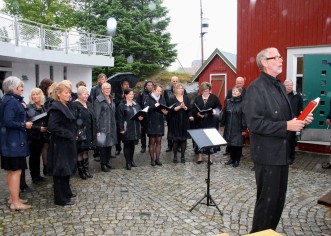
point(182, 159)
point(105, 168)
point(153, 163)
point(235, 164)
point(199, 162)
point(38, 179)
point(229, 162)
point(143, 150)
point(26, 189)
point(96, 158)
point(169, 149)
point(175, 160)
point(70, 203)
point(117, 152)
point(158, 162)
point(128, 166)
point(133, 164)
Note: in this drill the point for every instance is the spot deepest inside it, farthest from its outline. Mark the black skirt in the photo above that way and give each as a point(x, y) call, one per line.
point(13, 163)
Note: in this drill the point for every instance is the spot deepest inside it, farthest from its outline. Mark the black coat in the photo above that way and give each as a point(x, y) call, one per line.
point(179, 120)
point(62, 151)
point(234, 121)
point(131, 128)
point(85, 120)
point(267, 110)
point(154, 122)
point(34, 133)
point(209, 120)
point(296, 102)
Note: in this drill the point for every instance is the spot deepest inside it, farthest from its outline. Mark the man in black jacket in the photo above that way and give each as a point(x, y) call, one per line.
point(141, 99)
point(297, 107)
point(270, 120)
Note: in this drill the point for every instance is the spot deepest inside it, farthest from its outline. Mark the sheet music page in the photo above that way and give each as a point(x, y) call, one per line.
point(214, 136)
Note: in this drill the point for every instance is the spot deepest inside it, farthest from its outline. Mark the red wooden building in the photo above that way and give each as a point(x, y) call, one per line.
point(301, 30)
point(219, 70)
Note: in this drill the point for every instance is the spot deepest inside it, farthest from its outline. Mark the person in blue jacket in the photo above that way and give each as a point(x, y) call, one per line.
point(14, 138)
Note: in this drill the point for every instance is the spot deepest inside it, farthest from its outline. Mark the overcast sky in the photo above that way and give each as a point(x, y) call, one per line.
point(185, 28)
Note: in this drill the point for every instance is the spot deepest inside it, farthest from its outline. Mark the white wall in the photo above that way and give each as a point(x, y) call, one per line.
point(74, 74)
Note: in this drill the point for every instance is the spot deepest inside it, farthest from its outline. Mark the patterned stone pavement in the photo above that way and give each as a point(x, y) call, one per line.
point(156, 200)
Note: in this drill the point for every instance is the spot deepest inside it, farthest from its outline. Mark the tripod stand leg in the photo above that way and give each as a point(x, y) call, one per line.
point(214, 204)
point(198, 202)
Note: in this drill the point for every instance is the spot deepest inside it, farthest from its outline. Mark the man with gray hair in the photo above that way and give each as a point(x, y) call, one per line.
point(271, 122)
point(297, 107)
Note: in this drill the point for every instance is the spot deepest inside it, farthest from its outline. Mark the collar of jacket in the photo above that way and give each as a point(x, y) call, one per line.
point(236, 99)
point(56, 105)
point(101, 97)
point(133, 103)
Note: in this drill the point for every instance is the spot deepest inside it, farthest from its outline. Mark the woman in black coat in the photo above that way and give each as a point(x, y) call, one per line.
point(180, 117)
point(62, 151)
point(154, 123)
point(234, 122)
point(209, 103)
point(37, 111)
point(129, 128)
point(85, 125)
point(13, 131)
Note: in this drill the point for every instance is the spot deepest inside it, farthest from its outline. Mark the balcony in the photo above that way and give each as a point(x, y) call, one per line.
point(41, 42)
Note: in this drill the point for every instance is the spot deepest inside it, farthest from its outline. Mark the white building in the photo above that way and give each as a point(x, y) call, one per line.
point(34, 51)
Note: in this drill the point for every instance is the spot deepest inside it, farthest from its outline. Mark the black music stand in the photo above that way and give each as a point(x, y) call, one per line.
point(207, 138)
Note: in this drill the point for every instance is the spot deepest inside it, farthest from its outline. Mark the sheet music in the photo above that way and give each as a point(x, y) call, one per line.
point(214, 136)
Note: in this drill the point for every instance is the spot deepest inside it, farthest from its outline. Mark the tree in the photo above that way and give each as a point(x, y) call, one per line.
point(141, 33)
point(49, 12)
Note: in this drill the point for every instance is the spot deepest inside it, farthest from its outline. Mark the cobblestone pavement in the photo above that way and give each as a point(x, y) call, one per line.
point(156, 200)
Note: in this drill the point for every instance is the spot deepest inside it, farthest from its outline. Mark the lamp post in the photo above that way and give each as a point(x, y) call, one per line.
point(203, 29)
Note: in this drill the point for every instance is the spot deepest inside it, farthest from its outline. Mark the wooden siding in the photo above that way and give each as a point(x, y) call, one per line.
point(217, 67)
point(280, 24)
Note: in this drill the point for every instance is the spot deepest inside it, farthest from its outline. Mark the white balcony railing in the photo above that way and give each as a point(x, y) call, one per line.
point(23, 32)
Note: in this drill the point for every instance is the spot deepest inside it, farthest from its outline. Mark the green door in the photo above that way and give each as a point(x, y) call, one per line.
point(317, 83)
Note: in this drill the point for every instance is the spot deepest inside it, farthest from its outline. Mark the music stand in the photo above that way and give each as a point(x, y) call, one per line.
point(207, 138)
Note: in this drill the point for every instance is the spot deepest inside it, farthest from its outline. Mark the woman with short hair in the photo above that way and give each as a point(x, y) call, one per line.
point(14, 138)
point(85, 124)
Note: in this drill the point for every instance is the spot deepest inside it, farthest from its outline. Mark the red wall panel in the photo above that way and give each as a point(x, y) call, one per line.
point(280, 24)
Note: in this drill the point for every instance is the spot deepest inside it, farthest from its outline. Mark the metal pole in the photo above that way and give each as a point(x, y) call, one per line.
point(201, 33)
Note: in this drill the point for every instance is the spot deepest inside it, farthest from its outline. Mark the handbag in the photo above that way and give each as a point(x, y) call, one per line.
point(81, 134)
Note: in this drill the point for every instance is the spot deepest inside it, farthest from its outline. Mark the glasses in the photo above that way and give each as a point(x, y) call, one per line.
point(276, 58)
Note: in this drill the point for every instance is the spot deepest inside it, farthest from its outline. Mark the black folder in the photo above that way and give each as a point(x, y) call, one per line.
point(161, 107)
point(208, 111)
point(39, 117)
point(142, 112)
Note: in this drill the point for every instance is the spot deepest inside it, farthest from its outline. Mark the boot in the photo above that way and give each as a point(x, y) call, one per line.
point(182, 159)
point(152, 161)
point(86, 168)
point(81, 170)
point(158, 162)
point(45, 170)
point(175, 159)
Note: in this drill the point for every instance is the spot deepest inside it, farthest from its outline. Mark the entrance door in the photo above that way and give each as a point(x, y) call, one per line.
point(317, 83)
point(217, 86)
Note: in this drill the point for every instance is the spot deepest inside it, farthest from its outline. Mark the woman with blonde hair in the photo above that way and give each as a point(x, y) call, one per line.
point(62, 151)
point(13, 131)
point(36, 113)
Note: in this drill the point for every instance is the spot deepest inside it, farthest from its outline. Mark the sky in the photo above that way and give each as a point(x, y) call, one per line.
point(185, 28)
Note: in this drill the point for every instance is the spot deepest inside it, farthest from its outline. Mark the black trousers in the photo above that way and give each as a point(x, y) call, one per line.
point(119, 139)
point(235, 152)
point(293, 143)
point(62, 190)
point(105, 153)
point(34, 159)
point(128, 150)
point(271, 182)
point(143, 134)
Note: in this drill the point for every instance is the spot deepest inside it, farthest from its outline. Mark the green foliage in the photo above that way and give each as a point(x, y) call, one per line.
point(141, 33)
